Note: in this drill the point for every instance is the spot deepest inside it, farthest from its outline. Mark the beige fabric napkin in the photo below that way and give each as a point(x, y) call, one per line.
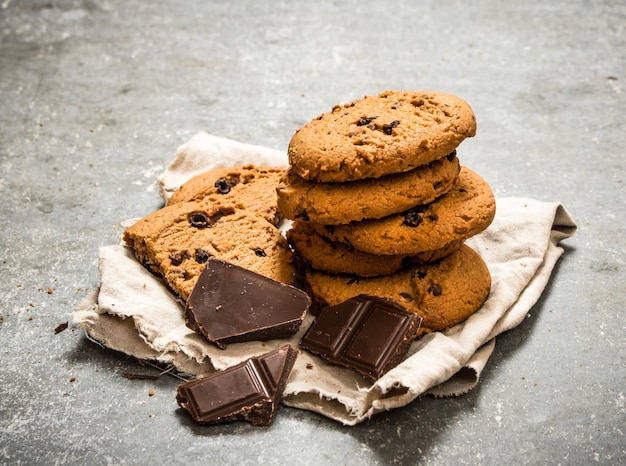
point(134, 313)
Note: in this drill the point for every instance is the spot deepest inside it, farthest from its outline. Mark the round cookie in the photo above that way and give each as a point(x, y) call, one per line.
point(336, 203)
point(392, 132)
point(467, 209)
point(176, 241)
point(335, 257)
point(246, 187)
point(444, 293)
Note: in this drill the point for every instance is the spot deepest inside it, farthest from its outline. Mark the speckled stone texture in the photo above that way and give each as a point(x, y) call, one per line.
point(97, 96)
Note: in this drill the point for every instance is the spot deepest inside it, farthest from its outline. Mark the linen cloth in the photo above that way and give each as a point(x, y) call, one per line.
point(133, 312)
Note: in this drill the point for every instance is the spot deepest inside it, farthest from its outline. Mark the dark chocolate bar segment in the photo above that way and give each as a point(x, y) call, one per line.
point(231, 304)
point(368, 334)
point(249, 391)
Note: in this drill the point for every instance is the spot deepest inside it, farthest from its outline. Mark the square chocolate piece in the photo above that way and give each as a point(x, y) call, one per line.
point(368, 334)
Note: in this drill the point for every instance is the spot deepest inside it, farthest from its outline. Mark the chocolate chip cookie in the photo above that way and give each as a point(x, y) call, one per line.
point(330, 256)
point(176, 241)
point(444, 293)
point(466, 210)
point(393, 132)
point(245, 187)
point(344, 202)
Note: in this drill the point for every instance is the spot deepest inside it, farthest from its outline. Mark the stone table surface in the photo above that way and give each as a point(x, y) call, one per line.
point(95, 97)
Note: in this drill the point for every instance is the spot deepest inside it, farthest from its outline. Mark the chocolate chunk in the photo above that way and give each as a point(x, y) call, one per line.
point(260, 253)
point(249, 391)
point(198, 220)
point(176, 257)
point(388, 128)
point(59, 328)
point(222, 185)
point(202, 256)
point(368, 334)
point(412, 218)
point(365, 120)
point(436, 289)
point(202, 220)
point(231, 304)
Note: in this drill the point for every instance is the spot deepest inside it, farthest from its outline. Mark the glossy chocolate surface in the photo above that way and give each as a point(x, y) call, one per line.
point(368, 334)
point(231, 304)
point(248, 391)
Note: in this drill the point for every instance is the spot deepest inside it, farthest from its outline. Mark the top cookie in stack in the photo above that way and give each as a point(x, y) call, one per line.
point(393, 132)
point(381, 205)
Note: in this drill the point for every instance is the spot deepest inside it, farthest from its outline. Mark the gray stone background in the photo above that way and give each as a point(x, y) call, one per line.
point(95, 97)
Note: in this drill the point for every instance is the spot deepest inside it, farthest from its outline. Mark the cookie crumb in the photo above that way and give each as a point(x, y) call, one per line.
point(59, 328)
point(150, 392)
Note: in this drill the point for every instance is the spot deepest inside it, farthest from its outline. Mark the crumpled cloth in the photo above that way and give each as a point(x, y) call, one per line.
point(134, 313)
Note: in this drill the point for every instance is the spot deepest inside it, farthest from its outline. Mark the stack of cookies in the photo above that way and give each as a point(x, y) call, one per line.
point(381, 206)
